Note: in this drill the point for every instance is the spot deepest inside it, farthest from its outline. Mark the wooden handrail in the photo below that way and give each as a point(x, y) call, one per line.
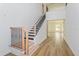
point(39, 19)
point(37, 23)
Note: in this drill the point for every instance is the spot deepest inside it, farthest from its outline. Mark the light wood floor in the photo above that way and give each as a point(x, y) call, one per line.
point(51, 48)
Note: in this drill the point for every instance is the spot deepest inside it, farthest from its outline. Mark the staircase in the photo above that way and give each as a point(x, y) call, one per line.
point(26, 41)
point(34, 30)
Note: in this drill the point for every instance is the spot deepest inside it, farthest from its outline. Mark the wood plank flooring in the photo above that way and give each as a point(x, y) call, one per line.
point(50, 48)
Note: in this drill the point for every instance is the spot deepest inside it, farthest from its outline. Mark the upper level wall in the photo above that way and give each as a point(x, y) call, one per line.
point(52, 6)
point(16, 15)
point(57, 13)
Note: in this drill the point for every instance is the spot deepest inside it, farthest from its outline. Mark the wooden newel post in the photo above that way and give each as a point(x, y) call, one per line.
point(25, 42)
point(23, 39)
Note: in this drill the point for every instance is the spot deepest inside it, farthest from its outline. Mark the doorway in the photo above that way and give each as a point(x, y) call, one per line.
point(56, 32)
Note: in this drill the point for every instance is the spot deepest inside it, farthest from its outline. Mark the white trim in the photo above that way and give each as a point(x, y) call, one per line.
point(5, 51)
point(73, 51)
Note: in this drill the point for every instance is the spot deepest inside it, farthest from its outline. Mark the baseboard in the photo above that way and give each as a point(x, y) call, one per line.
point(5, 51)
point(40, 45)
point(17, 52)
point(75, 54)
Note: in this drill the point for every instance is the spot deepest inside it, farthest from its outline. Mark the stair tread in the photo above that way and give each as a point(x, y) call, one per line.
point(31, 35)
point(31, 38)
point(33, 29)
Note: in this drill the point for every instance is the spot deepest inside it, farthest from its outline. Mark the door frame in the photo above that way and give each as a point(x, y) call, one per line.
point(56, 20)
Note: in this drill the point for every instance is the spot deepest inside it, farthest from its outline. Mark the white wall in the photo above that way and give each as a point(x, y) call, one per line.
point(72, 27)
point(57, 13)
point(16, 15)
